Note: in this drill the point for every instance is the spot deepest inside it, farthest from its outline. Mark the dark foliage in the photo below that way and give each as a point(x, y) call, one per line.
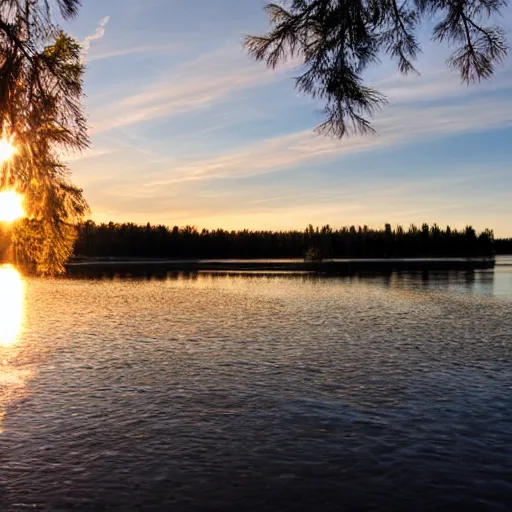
point(503, 246)
point(336, 40)
point(131, 240)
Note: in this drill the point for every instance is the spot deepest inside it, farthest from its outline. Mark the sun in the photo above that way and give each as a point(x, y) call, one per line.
point(7, 150)
point(11, 206)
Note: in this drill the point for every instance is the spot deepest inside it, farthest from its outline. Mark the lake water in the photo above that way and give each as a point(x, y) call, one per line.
point(257, 392)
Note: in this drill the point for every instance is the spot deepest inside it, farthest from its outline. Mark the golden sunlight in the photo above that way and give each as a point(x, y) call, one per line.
point(11, 206)
point(7, 150)
point(11, 305)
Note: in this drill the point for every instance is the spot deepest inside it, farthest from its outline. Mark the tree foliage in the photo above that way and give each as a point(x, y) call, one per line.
point(337, 40)
point(504, 246)
point(41, 94)
point(134, 241)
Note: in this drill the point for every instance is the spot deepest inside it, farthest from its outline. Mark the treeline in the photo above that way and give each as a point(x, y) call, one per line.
point(503, 246)
point(147, 241)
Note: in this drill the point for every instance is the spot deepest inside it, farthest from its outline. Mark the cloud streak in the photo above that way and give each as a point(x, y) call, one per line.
point(98, 34)
point(390, 200)
point(143, 49)
point(398, 126)
point(217, 76)
point(202, 82)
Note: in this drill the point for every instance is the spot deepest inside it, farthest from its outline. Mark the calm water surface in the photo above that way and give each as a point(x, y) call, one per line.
point(209, 392)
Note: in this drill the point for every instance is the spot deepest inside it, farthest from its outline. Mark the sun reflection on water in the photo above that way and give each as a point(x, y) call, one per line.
point(12, 290)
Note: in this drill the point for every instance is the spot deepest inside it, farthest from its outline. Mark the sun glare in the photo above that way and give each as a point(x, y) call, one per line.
point(7, 150)
point(11, 206)
point(11, 305)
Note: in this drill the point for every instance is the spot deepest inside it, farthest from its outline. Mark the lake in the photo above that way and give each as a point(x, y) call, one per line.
point(273, 392)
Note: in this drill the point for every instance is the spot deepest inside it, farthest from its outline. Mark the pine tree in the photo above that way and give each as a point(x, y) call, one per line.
point(41, 112)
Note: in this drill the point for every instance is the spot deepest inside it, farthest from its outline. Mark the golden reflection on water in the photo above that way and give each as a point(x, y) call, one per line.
point(12, 291)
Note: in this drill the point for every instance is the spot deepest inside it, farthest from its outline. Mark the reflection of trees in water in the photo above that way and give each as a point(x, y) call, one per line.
point(468, 280)
point(391, 279)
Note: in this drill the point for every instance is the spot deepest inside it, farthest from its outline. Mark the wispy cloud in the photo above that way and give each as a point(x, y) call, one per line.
point(142, 49)
point(199, 83)
point(175, 190)
point(438, 85)
point(98, 34)
point(217, 76)
point(397, 126)
point(290, 205)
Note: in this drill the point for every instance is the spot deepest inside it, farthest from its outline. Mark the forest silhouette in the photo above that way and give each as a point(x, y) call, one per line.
point(159, 241)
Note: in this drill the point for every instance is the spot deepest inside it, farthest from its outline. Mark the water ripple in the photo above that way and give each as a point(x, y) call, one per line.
point(258, 393)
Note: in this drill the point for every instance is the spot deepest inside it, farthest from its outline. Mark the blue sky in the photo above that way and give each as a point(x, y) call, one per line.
point(187, 129)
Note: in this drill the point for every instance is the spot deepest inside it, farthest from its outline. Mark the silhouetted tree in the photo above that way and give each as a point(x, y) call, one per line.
point(41, 112)
point(130, 240)
point(503, 246)
point(336, 40)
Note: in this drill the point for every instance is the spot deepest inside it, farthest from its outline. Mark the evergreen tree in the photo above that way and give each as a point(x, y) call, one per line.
point(41, 113)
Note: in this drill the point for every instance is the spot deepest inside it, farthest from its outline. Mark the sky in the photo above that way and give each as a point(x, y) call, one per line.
point(187, 129)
